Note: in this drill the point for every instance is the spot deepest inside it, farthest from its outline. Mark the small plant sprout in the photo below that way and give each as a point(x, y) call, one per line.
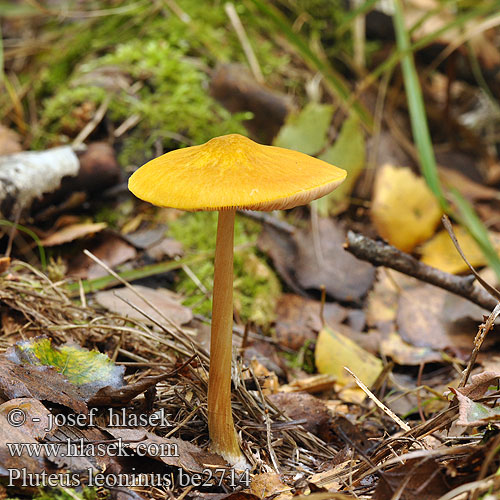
point(225, 174)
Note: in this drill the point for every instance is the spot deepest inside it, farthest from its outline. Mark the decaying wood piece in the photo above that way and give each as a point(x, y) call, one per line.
point(32, 180)
point(237, 90)
point(380, 253)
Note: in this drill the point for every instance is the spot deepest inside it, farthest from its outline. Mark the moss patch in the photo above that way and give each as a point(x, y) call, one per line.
point(256, 287)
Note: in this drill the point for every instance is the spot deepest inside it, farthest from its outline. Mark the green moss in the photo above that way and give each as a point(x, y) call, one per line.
point(165, 58)
point(256, 287)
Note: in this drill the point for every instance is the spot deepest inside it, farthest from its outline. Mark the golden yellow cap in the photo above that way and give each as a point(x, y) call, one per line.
point(234, 172)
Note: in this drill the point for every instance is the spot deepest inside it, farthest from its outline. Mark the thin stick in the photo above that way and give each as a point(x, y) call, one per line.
point(381, 405)
point(382, 254)
point(245, 42)
point(92, 124)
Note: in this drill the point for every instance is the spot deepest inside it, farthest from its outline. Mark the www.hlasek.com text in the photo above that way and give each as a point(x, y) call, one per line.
point(83, 448)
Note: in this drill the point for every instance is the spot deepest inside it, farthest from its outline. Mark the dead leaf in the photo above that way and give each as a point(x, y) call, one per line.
point(334, 351)
point(38, 382)
point(146, 238)
point(440, 252)
point(269, 484)
point(472, 413)
point(304, 406)
point(35, 414)
point(10, 141)
point(327, 263)
point(429, 316)
point(73, 232)
point(298, 319)
point(471, 190)
point(119, 396)
point(176, 452)
point(402, 353)
point(164, 300)
point(315, 383)
point(167, 247)
point(109, 248)
point(422, 478)
point(479, 384)
point(8, 460)
point(404, 210)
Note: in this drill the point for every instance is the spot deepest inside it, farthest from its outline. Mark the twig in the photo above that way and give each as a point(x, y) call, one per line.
point(92, 124)
point(489, 288)
point(245, 42)
point(381, 405)
point(379, 253)
point(478, 342)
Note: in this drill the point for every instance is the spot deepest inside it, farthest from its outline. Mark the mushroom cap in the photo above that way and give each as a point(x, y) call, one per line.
point(234, 172)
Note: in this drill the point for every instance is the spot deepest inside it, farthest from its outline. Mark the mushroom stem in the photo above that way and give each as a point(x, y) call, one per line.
point(220, 418)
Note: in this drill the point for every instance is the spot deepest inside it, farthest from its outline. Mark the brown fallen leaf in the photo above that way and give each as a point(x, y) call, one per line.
point(9, 460)
point(108, 247)
point(10, 141)
point(315, 383)
point(471, 190)
point(38, 382)
point(345, 278)
point(422, 478)
point(301, 405)
point(429, 316)
point(146, 238)
point(164, 300)
point(298, 319)
point(270, 484)
point(35, 415)
point(176, 452)
point(472, 413)
point(73, 232)
point(167, 247)
point(113, 396)
point(479, 384)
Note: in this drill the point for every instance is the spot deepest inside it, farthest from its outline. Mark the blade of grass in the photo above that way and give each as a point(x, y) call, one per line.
point(458, 21)
point(335, 81)
point(29, 232)
point(416, 107)
point(96, 284)
point(421, 134)
point(477, 230)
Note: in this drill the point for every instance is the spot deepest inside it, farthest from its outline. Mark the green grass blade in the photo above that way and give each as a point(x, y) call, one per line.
point(477, 230)
point(96, 284)
point(29, 232)
point(416, 107)
point(421, 134)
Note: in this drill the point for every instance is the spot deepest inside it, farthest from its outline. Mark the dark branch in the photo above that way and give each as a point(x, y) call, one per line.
point(379, 253)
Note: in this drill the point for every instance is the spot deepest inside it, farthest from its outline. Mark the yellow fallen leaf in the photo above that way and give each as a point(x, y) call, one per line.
point(334, 351)
point(404, 210)
point(440, 252)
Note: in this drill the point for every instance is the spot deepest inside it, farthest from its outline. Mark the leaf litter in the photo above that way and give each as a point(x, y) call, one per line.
point(182, 395)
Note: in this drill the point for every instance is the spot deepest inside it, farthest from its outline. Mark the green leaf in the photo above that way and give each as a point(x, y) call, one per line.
point(306, 131)
point(79, 366)
point(348, 153)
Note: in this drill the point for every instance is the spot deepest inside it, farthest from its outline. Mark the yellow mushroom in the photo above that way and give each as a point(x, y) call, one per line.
point(225, 174)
